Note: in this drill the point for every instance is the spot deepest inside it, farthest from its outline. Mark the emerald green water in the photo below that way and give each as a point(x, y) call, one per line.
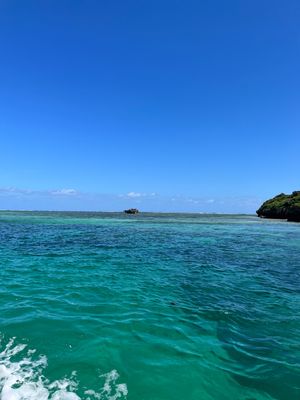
point(148, 307)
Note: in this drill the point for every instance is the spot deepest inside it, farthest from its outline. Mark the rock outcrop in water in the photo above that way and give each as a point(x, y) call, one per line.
point(131, 211)
point(282, 206)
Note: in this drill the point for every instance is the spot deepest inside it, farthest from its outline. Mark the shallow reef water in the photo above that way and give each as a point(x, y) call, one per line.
point(148, 307)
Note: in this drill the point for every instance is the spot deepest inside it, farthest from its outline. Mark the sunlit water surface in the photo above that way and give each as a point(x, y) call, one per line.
point(148, 307)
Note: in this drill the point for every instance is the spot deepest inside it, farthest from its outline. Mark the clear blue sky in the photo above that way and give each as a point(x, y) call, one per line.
point(169, 105)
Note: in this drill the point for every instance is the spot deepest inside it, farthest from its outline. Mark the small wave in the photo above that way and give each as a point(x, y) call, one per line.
point(24, 379)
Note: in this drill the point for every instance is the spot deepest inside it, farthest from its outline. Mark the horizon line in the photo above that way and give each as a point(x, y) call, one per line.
point(122, 212)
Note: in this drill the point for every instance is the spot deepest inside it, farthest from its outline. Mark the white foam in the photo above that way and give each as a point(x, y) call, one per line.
point(110, 385)
point(24, 379)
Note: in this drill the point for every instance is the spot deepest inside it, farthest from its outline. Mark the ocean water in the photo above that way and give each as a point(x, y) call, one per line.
point(148, 307)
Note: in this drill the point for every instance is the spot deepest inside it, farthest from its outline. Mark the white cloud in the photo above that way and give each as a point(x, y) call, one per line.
point(135, 194)
point(13, 191)
point(64, 192)
point(70, 198)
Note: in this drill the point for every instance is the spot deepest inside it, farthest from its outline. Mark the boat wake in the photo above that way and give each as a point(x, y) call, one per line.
point(22, 378)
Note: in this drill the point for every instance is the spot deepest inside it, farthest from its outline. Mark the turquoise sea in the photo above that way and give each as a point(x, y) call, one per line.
point(148, 307)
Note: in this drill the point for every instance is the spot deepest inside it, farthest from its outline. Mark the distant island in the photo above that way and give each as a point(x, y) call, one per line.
point(131, 211)
point(282, 206)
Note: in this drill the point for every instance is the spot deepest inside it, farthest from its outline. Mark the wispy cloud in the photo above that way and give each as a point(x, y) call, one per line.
point(64, 192)
point(73, 199)
point(13, 191)
point(134, 195)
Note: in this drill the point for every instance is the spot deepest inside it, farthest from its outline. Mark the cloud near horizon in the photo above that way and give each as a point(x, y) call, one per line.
point(17, 191)
point(64, 192)
point(72, 199)
point(132, 195)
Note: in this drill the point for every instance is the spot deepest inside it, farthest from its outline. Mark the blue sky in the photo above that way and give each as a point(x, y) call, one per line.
point(164, 105)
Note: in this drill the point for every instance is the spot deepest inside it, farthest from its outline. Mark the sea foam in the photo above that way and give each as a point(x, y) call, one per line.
point(24, 379)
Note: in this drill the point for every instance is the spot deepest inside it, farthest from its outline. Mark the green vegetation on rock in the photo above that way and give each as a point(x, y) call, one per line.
point(282, 206)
